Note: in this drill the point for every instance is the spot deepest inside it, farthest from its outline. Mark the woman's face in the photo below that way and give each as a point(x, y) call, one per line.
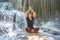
point(30, 15)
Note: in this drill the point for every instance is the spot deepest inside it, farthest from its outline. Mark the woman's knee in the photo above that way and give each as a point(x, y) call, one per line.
point(36, 29)
point(27, 28)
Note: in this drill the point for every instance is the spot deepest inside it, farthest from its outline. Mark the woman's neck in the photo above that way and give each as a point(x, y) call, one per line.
point(30, 18)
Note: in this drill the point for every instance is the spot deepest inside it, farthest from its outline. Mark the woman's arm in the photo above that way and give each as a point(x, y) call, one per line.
point(34, 14)
point(26, 14)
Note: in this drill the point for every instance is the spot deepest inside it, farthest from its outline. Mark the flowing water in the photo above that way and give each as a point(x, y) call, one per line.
point(51, 28)
point(13, 22)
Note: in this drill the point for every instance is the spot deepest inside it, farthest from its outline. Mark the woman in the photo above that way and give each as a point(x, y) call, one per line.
point(30, 18)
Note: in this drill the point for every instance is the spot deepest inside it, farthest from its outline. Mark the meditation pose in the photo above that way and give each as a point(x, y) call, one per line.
point(30, 19)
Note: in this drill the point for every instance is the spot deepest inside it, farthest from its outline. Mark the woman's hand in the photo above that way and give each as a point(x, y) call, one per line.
point(30, 8)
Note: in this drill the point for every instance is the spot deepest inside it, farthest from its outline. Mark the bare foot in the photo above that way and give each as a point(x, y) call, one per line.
point(32, 30)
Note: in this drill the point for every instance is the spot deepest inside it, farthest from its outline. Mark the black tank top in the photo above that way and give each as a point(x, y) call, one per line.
point(30, 22)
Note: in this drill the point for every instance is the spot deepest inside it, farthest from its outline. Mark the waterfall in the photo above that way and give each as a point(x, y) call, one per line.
point(12, 22)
